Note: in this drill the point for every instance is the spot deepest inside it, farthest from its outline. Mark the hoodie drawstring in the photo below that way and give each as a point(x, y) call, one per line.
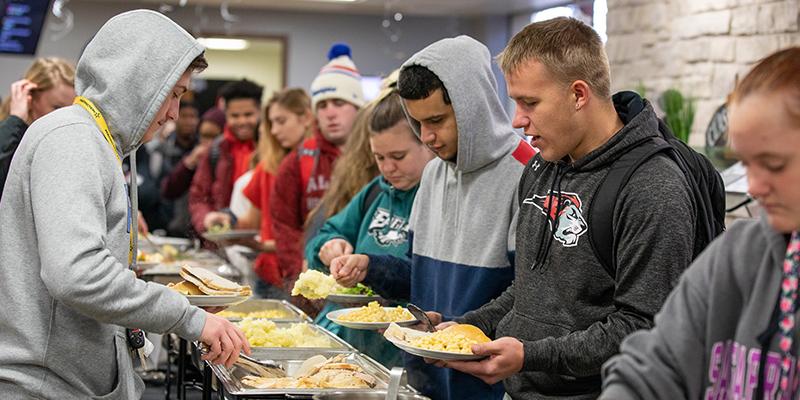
point(134, 195)
point(545, 240)
point(458, 198)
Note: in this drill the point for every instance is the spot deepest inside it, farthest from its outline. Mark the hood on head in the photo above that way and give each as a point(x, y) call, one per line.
point(130, 67)
point(464, 66)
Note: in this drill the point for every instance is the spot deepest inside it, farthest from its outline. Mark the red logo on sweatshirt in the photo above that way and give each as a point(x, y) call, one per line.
point(563, 209)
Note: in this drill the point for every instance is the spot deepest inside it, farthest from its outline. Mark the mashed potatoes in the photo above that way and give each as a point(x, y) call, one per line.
point(268, 314)
point(314, 285)
point(265, 333)
point(373, 312)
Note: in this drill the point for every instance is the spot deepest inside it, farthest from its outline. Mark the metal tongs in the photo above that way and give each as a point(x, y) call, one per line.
point(264, 368)
point(420, 315)
point(397, 378)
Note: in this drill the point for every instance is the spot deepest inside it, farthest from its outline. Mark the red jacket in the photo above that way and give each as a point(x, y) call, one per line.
point(259, 191)
point(303, 177)
point(212, 192)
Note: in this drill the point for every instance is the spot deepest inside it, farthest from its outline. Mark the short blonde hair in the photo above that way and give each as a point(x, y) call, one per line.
point(568, 48)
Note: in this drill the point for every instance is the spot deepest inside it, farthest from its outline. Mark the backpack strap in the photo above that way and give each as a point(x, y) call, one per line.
point(214, 154)
point(371, 196)
point(601, 214)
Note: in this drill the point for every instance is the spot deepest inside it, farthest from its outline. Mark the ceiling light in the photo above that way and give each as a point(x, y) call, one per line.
point(336, 1)
point(224, 43)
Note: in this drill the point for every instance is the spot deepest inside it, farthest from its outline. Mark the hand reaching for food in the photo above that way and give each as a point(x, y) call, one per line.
point(349, 270)
point(334, 248)
point(216, 219)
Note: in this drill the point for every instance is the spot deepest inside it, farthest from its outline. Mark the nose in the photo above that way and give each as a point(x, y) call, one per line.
point(520, 120)
point(757, 184)
point(389, 166)
point(173, 110)
point(427, 135)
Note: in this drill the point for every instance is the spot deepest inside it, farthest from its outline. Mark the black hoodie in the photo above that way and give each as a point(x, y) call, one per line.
point(570, 314)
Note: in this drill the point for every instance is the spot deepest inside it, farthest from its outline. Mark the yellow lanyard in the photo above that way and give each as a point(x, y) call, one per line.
point(101, 123)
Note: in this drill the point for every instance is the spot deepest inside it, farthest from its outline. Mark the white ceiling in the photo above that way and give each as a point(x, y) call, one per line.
point(410, 7)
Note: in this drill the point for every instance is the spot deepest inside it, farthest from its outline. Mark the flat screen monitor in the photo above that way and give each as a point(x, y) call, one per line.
point(21, 23)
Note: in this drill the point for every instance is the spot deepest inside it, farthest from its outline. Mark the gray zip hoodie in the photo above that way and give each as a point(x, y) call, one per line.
point(64, 212)
point(706, 341)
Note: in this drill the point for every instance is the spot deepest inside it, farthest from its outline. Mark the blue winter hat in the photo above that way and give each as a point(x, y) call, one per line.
point(339, 49)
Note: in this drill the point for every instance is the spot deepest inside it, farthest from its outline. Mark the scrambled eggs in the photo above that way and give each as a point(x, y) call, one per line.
point(264, 333)
point(373, 312)
point(444, 341)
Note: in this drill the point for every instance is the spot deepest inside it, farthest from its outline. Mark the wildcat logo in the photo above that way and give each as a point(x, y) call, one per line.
point(570, 224)
point(388, 230)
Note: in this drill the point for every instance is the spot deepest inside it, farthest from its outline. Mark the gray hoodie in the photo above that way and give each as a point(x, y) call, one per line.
point(705, 343)
point(64, 212)
point(464, 216)
point(568, 311)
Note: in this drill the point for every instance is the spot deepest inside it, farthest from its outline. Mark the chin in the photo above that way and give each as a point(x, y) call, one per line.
point(783, 224)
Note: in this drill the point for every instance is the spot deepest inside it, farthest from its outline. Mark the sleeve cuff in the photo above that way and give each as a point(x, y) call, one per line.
point(193, 326)
point(537, 357)
point(617, 391)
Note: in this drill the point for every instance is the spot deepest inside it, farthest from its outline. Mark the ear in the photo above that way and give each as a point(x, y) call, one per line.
point(307, 118)
point(581, 94)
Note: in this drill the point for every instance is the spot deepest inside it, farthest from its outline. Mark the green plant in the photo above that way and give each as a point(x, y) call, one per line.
point(641, 89)
point(679, 112)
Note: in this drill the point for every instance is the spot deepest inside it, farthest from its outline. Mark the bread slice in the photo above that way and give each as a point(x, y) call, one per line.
point(186, 288)
point(213, 284)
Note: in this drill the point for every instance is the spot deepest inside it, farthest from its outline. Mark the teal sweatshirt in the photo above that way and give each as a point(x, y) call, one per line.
point(377, 228)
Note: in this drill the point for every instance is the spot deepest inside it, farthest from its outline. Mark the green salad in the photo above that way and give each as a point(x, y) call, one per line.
point(219, 228)
point(358, 289)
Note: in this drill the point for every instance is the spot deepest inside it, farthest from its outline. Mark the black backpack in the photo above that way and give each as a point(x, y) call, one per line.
point(707, 191)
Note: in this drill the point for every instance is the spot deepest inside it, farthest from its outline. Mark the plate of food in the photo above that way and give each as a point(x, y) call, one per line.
point(219, 233)
point(204, 288)
point(372, 316)
point(452, 343)
point(358, 294)
point(316, 285)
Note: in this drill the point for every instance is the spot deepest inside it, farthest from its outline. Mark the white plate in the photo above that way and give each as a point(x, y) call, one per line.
point(173, 241)
point(341, 298)
point(334, 316)
point(231, 235)
point(435, 354)
point(145, 265)
point(216, 301)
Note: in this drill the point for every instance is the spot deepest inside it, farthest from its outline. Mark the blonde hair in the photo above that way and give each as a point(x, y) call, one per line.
point(296, 101)
point(46, 73)
point(354, 169)
point(568, 48)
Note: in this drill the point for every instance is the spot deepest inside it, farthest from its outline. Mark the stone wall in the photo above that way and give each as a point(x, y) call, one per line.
point(699, 47)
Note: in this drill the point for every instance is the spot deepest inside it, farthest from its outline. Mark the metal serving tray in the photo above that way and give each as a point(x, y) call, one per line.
point(338, 343)
point(290, 361)
point(295, 314)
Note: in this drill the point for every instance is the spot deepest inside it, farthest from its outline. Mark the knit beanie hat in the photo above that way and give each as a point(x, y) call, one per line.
point(338, 79)
point(214, 115)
